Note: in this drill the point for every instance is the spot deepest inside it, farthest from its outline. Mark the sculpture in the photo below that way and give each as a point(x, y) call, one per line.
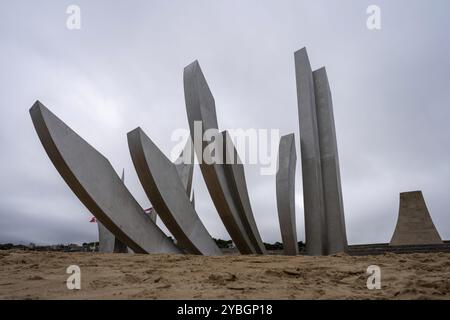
point(313, 197)
point(108, 243)
point(329, 160)
point(97, 185)
point(200, 107)
point(186, 170)
point(236, 177)
point(285, 188)
point(121, 221)
point(166, 191)
point(322, 194)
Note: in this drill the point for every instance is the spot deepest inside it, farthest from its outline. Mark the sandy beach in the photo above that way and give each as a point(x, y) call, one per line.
point(42, 275)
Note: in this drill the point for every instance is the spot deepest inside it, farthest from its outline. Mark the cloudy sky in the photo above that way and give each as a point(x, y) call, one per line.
point(124, 69)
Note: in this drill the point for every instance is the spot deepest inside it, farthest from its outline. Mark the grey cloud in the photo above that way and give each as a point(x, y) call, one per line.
point(123, 69)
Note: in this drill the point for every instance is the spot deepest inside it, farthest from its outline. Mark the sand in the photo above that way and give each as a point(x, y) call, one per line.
point(42, 275)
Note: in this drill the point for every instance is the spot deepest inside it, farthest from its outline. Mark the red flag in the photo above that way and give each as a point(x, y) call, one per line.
point(94, 220)
point(149, 210)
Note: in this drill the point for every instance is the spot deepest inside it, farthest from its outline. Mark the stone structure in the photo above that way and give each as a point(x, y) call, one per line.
point(313, 198)
point(285, 188)
point(329, 160)
point(96, 184)
point(200, 107)
point(414, 224)
point(167, 192)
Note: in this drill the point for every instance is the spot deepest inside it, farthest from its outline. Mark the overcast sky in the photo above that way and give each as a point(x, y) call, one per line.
point(124, 69)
